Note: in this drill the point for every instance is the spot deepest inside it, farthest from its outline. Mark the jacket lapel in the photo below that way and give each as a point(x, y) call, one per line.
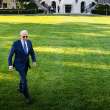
point(28, 44)
point(21, 47)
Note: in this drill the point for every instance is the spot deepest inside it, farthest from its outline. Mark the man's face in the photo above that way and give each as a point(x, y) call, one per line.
point(24, 36)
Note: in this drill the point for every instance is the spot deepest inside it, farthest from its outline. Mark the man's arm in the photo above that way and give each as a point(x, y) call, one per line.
point(33, 56)
point(12, 50)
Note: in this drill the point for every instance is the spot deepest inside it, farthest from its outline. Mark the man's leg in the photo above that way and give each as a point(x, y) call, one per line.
point(23, 84)
point(20, 89)
point(20, 86)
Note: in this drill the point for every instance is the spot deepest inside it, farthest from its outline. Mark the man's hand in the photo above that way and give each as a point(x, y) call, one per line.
point(11, 68)
point(34, 64)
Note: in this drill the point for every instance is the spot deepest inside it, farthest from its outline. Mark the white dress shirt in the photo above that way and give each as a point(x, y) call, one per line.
point(22, 42)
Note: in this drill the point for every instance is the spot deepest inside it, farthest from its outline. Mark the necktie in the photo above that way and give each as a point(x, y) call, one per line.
point(25, 48)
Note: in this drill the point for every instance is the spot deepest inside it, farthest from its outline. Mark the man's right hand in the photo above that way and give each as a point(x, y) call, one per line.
point(10, 68)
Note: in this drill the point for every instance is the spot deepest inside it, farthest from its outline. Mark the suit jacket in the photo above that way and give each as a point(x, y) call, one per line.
point(21, 59)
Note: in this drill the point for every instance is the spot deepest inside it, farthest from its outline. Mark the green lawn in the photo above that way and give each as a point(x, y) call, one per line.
point(73, 63)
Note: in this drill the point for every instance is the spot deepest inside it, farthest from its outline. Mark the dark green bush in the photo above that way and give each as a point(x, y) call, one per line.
point(18, 11)
point(102, 10)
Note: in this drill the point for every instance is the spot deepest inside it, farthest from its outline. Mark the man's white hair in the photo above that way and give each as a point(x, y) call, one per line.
point(23, 32)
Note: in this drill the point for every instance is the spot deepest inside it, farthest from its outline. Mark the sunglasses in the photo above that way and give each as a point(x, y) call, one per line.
point(25, 36)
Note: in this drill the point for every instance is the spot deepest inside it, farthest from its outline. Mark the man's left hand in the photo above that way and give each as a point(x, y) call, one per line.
point(34, 64)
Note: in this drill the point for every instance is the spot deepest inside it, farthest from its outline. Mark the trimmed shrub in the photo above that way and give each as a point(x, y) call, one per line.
point(102, 10)
point(18, 11)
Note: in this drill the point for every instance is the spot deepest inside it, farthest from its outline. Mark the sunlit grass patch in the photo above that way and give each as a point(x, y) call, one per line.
point(9, 76)
point(54, 19)
point(71, 51)
point(87, 65)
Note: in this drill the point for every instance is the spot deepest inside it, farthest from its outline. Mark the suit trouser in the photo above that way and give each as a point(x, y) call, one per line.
point(23, 83)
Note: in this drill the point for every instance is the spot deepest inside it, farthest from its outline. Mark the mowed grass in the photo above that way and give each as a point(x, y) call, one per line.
point(73, 63)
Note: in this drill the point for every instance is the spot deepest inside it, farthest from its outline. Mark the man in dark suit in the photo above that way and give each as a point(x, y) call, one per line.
point(22, 49)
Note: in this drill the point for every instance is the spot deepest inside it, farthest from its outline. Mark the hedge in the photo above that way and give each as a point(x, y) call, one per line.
point(102, 10)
